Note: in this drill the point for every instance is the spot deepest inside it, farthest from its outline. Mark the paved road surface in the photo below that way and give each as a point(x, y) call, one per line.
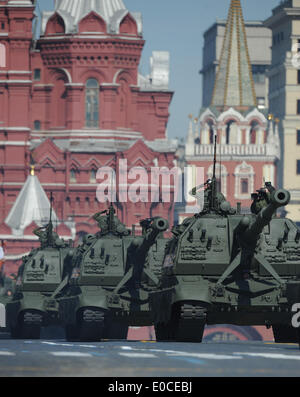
point(49, 358)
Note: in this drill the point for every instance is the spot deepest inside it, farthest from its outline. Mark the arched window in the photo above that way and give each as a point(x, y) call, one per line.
point(244, 181)
point(208, 133)
point(92, 103)
point(244, 186)
point(228, 127)
point(73, 175)
point(37, 125)
point(93, 175)
point(211, 135)
point(59, 101)
point(233, 134)
point(253, 133)
point(37, 75)
point(2, 56)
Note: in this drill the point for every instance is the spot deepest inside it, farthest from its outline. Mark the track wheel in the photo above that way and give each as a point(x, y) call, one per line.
point(188, 323)
point(91, 325)
point(28, 326)
point(115, 329)
point(162, 332)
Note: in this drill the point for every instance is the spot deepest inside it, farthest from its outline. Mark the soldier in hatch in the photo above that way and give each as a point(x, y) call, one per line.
point(109, 223)
point(262, 198)
point(208, 192)
point(48, 238)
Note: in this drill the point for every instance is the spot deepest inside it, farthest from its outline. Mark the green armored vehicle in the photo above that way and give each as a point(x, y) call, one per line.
point(106, 291)
point(223, 267)
point(33, 303)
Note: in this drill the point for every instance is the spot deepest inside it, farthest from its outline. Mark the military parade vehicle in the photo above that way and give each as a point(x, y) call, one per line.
point(223, 265)
point(226, 267)
point(33, 304)
point(106, 291)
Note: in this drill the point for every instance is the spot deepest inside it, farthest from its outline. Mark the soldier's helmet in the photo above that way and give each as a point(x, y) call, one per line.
point(105, 226)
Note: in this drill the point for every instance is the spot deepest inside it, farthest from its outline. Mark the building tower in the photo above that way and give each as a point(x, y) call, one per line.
point(248, 144)
point(284, 95)
point(259, 39)
point(91, 107)
point(15, 90)
point(234, 85)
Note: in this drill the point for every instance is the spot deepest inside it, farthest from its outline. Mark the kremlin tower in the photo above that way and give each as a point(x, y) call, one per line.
point(248, 141)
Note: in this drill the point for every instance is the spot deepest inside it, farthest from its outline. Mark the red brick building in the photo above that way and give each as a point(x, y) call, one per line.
point(73, 101)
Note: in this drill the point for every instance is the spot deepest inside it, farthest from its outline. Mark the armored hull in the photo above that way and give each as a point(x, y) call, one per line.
point(222, 267)
point(108, 287)
point(90, 306)
point(33, 304)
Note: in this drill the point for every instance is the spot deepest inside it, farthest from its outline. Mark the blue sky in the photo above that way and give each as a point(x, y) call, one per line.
point(177, 26)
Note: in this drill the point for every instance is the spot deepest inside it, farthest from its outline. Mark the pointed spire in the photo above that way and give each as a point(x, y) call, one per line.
point(277, 138)
point(31, 205)
point(191, 130)
point(271, 136)
point(276, 134)
point(190, 143)
point(234, 85)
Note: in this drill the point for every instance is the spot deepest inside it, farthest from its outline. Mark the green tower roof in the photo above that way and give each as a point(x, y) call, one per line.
point(234, 85)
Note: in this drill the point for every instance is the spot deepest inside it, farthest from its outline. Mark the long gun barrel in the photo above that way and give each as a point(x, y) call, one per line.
point(152, 230)
point(279, 198)
point(157, 226)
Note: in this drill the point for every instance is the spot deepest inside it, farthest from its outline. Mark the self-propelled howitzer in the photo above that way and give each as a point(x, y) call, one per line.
point(222, 267)
point(140, 247)
point(249, 229)
point(33, 304)
point(104, 294)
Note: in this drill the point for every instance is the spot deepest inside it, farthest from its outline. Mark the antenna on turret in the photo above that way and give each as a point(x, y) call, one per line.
point(214, 180)
point(49, 228)
point(51, 200)
point(111, 211)
point(215, 157)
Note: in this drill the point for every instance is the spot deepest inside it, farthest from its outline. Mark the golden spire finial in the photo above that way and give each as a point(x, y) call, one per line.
point(32, 169)
point(270, 116)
